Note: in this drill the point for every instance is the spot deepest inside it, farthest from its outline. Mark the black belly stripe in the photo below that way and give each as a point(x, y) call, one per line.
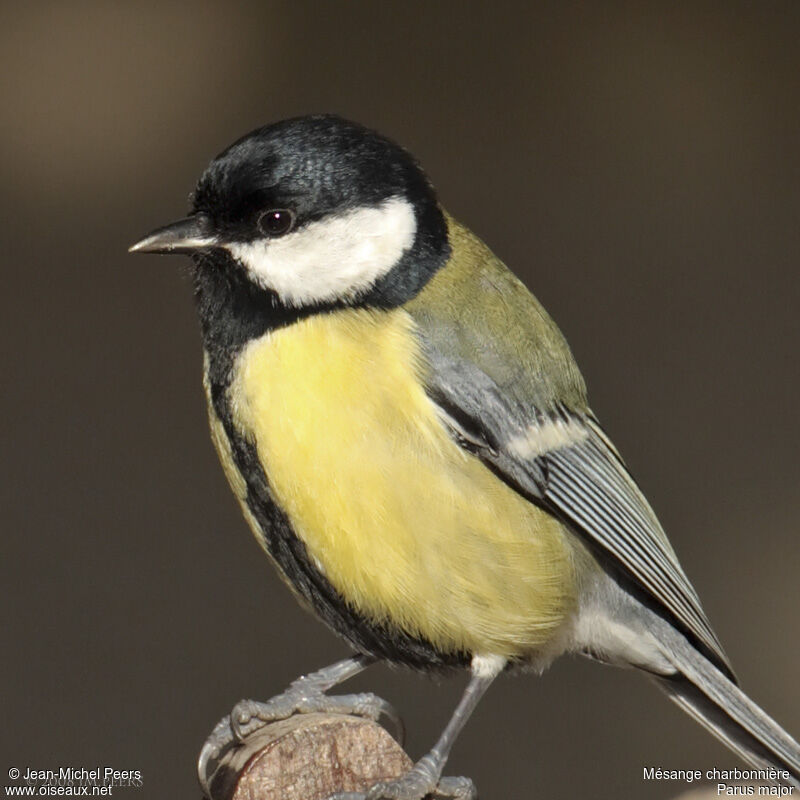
point(289, 552)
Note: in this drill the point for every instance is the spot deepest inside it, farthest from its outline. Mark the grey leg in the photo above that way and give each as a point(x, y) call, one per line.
point(425, 777)
point(305, 695)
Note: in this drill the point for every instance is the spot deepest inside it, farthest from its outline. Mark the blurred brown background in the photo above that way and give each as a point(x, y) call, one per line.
point(638, 164)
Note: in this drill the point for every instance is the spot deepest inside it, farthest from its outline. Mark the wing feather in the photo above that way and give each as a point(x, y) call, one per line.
point(591, 489)
point(508, 387)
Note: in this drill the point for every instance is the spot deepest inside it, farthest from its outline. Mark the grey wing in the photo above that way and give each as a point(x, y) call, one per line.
point(561, 460)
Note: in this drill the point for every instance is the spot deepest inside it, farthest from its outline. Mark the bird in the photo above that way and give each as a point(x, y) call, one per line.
point(410, 440)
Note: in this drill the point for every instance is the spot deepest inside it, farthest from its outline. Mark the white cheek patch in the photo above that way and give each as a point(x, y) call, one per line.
point(335, 258)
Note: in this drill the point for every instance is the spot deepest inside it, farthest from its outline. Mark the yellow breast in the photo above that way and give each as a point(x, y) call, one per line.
point(407, 526)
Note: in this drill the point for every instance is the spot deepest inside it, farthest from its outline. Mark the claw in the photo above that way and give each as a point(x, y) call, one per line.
point(393, 722)
point(217, 744)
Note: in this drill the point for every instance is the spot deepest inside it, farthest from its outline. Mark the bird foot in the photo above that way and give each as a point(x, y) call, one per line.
point(304, 696)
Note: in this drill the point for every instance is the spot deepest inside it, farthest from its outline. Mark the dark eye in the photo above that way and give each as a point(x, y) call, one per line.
point(275, 222)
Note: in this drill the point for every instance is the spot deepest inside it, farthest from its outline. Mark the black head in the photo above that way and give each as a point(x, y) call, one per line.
point(313, 211)
point(315, 166)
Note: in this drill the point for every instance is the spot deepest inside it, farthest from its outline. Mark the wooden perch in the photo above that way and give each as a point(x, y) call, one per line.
point(309, 757)
point(312, 756)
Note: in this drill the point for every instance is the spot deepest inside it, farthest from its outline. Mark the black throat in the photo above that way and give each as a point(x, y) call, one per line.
point(234, 311)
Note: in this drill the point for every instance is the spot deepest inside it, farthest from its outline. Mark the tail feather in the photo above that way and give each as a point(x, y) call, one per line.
point(718, 704)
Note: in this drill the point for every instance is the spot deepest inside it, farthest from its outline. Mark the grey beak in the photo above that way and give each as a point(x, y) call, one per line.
point(183, 236)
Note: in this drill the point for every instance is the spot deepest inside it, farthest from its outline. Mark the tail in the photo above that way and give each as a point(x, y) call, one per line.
point(718, 704)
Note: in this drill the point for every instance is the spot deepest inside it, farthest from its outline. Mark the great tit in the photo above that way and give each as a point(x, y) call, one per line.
point(410, 440)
